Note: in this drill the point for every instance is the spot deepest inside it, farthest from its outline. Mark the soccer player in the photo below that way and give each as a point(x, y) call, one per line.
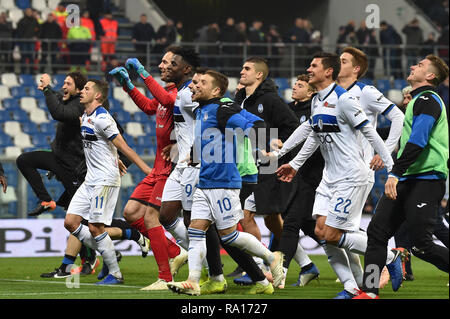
point(96, 198)
point(338, 123)
point(217, 196)
point(354, 65)
point(416, 184)
point(142, 209)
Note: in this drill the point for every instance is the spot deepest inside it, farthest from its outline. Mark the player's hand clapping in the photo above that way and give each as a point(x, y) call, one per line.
point(134, 64)
point(122, 76)
point(44, 81)
point(286, 173)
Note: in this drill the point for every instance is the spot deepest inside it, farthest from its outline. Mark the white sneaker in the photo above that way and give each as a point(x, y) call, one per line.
point(276, 267)
point(156, 286)
point(177, 262)
point(144, 243)
point(185, 287)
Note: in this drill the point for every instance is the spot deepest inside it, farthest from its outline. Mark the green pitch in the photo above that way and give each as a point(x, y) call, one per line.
point(20, 278)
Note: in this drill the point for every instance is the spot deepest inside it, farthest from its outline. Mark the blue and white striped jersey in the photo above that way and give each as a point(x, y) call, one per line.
point(98, 129)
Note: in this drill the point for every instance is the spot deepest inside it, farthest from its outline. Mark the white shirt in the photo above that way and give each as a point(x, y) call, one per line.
point(184, 123)
point(374, 103)
point(97, 130)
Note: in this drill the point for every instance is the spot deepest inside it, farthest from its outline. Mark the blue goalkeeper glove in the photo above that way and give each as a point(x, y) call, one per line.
point(121, 74)
point(134, 63)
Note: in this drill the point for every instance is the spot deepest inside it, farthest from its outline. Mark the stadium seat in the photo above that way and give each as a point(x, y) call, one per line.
point(19, 115)
point(4, 92)
point(52, 4)
point(28, 103)
point(383, 85)
point(9, 196)
point(287, 95)
point(41, 140)
point(26, 80)
point(149, 128)
point(5, 140)
point(39, 5)
point(127, 181)
point(15, 15)
point(23, 4)
point(12, 128)
point(366, 81)
point(399, 84)
point(47, 128)
point(38, 116)
point(134, 129)
point(122, 116)
point(9, 79)
point(141, 117)
point(12, 152)
point(19, 91)
point(119, 94)
point(232, 84)
point(10, 103)
point(282, 83)
point(395, 96)
point(4, 116)
point(29, 128)
point(8, 4)
point(131, 107)
point(22, 140)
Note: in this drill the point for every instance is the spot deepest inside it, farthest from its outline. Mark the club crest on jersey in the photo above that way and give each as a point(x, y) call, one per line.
point(260, 108)
point(326, 104)
point(302, 119)
point(205, 116)
point(320, 124)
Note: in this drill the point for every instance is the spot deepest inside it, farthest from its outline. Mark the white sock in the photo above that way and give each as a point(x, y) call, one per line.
point(301, 257)
point(84, 235)
point(249, 243)
point(218, 278)
point(355, 266)
point(196, 253)
point(354, 241)
point(179, 232)
point(339, 262)
point(390, 256)
point(106, 249)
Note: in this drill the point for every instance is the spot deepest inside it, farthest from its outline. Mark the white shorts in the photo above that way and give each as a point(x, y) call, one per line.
point(250, 203)
point(220, 205)
point(341, 204)
point(189, 181)
point(172, 188)
point(96, 203)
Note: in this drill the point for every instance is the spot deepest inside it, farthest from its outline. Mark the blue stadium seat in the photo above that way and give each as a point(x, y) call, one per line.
point(282, 83)
point(47, 128)
point(122, 116)
point(10, 103)
point(366, 81)
point(27, 79)
point(41, 140)
point(382, 121)
point(30, 128)
point(383, 85)
point(18, 91)
point(59, 79)
point(141, 117)
point(4, 116)
point(149, 127)
point(20, 116)
point(129, 139)
point(399, 84)
point(5, 140)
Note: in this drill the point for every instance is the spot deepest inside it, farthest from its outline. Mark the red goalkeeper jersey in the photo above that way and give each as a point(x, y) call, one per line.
point(161, 105)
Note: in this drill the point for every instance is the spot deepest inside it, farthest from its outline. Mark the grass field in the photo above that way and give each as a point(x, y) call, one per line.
point(20, 279)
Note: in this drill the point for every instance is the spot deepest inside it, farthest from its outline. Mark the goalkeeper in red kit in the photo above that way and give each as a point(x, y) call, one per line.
point(142, 209)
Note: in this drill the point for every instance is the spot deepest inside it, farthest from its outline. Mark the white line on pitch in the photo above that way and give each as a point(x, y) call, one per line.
point(64, 282)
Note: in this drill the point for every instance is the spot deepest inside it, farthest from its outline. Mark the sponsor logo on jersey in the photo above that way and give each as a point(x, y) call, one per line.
point(260, 108)
point(326, 104)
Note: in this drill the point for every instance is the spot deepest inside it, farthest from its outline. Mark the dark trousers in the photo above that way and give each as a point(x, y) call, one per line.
point(298, 216)
point(417, 204)
point(29, 163)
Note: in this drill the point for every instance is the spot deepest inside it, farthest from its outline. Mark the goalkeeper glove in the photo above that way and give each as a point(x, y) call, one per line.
point(134, 63)
point(121, 74)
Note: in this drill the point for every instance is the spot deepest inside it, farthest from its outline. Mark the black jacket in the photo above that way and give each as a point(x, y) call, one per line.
point(268, 105)
point(313, 168)
point(67, 144)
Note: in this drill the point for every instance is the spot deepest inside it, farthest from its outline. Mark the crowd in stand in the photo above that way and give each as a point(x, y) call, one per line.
point(220, 45)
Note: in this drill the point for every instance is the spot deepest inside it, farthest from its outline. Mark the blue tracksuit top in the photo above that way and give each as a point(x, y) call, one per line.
point(215, 142)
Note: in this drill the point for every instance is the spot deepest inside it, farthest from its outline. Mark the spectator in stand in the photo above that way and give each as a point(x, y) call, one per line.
point(438, 12)
point(368, 44)
point(95, 8)
point(6, 47)
point(391, 55)
point(27, 33)
point(50, 32)
point(443, 42)
point(275, 50)
point(414, 37)
point(61, 14)
point(257, 36)
point(180, 32)
point(242, 30)
point(443, 91)
point(212, 50)
point(229, 36)
point(143, 32)
point(428, 46)
point(299, 35)
point(108, 45)
point(79, 48)
point(87, 22)
point(165, 36)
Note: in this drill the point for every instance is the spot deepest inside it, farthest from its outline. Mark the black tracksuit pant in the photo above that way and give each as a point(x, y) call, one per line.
point(417, 204)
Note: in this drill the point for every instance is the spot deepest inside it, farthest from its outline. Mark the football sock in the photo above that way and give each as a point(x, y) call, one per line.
point(301, 257)
point(172, 249)
point(158, 241)
point(67, 263)
point(106, 249)
point(140, 226)
point(131, 234)
point(355, 266)
point(179, 232)
point(354, 241)
point(247, 242)
point(84, 235)
point(213, 252)
point(339, 262)
point(196, 253)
